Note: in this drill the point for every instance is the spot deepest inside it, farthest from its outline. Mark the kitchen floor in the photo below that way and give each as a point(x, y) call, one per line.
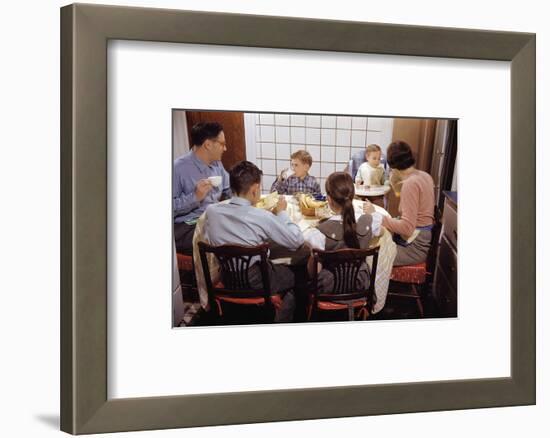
point(396, 308)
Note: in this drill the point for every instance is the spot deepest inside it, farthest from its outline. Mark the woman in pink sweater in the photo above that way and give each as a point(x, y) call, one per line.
point(413, 228)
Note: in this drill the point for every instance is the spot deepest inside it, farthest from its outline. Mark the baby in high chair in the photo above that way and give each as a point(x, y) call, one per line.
point(371, 172)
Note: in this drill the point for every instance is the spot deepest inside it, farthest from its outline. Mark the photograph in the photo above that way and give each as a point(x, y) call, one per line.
point(298, 218)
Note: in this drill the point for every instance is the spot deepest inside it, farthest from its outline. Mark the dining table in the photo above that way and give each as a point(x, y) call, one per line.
point(279, 255)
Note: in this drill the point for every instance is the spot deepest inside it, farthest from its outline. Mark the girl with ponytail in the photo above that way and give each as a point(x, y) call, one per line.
point(343, 229)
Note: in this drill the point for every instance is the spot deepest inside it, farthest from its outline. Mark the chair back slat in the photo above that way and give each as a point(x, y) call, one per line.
point(345, 266)
point(235, 262)
point(235, 271)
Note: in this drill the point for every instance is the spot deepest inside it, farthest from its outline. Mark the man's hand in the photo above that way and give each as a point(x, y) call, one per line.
point(281, 205)
point(368, 207)
point(202, 189)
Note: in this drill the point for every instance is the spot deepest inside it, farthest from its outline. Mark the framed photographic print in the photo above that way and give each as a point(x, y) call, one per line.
point(300, 159)
point(167, 114)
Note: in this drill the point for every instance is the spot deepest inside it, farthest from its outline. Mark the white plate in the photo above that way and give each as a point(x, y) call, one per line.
point(372, 191)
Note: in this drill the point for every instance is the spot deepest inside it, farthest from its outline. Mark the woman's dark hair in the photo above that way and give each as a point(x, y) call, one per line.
point(242, 175)
point(399, 155)
point(340, 188)
point(203, 131)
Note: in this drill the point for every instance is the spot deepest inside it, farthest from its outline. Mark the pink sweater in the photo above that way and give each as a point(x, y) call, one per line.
point(416, 205)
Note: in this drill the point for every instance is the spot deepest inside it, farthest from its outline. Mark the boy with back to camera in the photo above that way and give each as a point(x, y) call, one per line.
point(239, 222)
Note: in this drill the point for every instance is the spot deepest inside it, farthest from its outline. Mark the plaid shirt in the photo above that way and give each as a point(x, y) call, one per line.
point(293, 184)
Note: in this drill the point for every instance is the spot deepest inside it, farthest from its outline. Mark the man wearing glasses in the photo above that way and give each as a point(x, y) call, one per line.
point(199, 180)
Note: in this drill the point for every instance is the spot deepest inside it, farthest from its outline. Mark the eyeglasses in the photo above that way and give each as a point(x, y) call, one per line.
point(224, 144)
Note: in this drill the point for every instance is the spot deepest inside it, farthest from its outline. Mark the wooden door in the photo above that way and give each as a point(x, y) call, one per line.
point(419, 134)
point(233, 128)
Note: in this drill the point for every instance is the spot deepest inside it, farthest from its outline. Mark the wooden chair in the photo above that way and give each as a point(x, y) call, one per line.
point(413, 278)
point(185, 262)
point(344, 264)
point(188, 280)
point(234, 286)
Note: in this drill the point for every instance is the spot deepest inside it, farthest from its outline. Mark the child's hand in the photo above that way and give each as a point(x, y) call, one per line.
point(281, 205)
point(368, 207)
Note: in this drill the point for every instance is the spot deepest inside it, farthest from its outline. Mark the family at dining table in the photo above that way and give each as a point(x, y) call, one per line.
point(200, 182)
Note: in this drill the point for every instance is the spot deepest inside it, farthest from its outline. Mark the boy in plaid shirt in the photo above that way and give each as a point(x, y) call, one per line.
point(297, 180)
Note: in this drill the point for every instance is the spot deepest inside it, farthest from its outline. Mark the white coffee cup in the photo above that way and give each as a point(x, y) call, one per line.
point(215, 180)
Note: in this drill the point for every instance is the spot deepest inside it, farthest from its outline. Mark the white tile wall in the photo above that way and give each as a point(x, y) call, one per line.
point(315, 169)
point(326, 169)
point(269, 167)
point(282, 119)
point(315, 152)
point(330, 140)
point(342, 155)
point(340, 167)
point(328, 137)
point(267, 133)
point(267, 119)
point(268, 150)
point(298, 135)
point(282, 134)
point(258, 148)
point(313, 121)
point(283, 150)
point(328, 122)
point(328, 154)
point(343, 137)
point(297, 120)
point(374, 137)
point(375, 124)
point(313, 136)
point(343, 122)
point(358, 138)
point(359, 123)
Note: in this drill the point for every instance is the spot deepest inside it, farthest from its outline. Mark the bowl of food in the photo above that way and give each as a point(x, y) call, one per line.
point(268, 202)
point(308, 204)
